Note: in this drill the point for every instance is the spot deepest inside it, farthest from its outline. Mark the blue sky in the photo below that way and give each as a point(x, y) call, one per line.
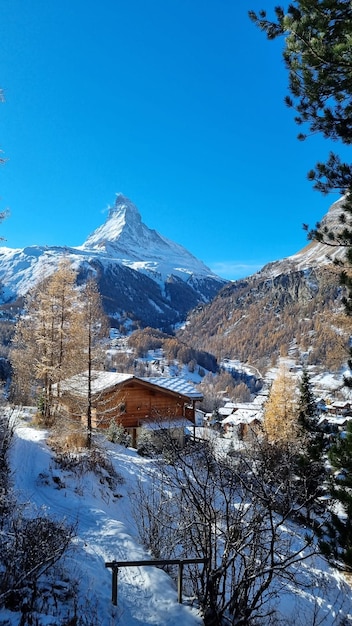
point(178, 104)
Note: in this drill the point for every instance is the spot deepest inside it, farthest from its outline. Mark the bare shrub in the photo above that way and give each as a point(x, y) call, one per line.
point(93, 459)
point(67, 436)
point(76, 441)
point(31, 545)
point(6, 438)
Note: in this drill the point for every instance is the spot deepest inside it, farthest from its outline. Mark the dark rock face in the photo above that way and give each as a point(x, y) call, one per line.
point(125, 291)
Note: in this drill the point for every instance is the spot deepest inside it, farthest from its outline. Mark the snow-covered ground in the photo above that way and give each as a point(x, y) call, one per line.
point(106, 532)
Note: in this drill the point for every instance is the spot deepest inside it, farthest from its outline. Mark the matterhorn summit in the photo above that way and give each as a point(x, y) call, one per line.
point(125, 237)
point(138, 271)
point(122, 230)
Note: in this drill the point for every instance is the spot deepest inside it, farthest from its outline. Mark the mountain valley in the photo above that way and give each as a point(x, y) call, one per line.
point(293, 305)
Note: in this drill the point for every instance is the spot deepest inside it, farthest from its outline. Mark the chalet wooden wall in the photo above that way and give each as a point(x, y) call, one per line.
point(130, 404)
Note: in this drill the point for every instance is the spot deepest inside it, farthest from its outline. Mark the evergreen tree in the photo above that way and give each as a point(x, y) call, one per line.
point(307, 410)
point(318, 56)
point(308, 419)
point(338, 544)
point(310, 464)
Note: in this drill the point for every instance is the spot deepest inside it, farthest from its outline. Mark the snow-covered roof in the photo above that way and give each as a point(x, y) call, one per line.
point(176, 384)
point(242, 416)
point(225, 410)
point(234, 407)
point(341, 405)
point(243, 406)
point(334, 420)
point(101, 381)
point(229, 405)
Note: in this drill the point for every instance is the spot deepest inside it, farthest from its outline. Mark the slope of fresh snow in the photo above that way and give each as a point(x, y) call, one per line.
point(22, 269)
point(106, 532)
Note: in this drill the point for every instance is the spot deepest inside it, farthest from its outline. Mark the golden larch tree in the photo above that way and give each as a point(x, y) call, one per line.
point(46, 337)
point(281, 413)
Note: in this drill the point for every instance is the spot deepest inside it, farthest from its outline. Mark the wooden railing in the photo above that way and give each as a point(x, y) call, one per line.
point(115, 565)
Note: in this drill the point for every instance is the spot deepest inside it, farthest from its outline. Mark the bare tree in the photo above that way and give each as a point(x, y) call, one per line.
point(226, 510)
point(94, 329)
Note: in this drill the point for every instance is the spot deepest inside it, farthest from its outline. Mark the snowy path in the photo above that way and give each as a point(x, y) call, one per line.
point(146, 595)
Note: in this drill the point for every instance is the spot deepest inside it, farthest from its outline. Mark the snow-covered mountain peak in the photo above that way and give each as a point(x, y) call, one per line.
point(125, 237)
point(123, 225)
point(315, 254)
point(124, 206)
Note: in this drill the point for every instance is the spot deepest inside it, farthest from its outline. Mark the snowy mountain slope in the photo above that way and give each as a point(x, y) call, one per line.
point(137, 269)
point(106, 531)
point(313, 255)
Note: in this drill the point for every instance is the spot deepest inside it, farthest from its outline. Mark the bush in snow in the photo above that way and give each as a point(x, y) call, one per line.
point(30, 547)
point(6, 437)
point(116, 433)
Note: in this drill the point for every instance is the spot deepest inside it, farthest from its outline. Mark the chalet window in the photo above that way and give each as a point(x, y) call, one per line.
point(122, 407)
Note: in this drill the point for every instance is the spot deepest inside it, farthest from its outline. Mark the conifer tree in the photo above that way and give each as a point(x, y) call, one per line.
point(307, 410)
point(308, 419)
point(318, 56)
point(310, 465)
point(338, 546)
point(58, 336)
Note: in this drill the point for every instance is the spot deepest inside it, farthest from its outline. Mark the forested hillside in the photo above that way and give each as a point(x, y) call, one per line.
point(258, 319)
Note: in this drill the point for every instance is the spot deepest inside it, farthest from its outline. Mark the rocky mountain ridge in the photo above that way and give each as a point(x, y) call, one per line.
point(314, 254)
point(290, 306)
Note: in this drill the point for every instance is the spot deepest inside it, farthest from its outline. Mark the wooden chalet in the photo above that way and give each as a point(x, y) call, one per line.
point(130, 401)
